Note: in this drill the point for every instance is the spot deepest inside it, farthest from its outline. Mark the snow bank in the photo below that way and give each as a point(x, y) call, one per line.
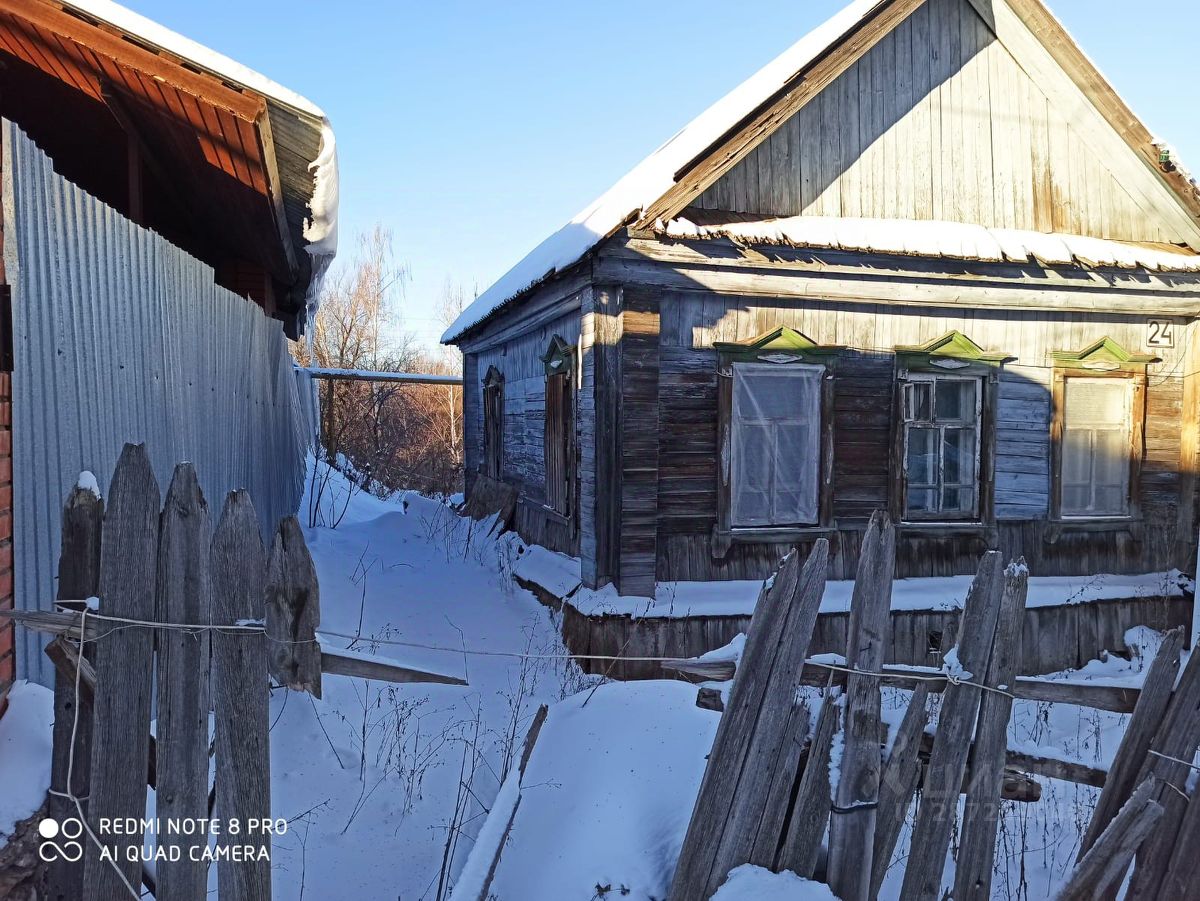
point(25, 748)
point(751, 883)
point(607, 794)
point(655, 175)
point(737, 598)
point(557, 573)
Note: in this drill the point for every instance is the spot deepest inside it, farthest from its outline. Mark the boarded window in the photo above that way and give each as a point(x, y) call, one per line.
point(1096, 438)
point(776, 446)
point(560, 426)
point(941, 446)
point(493, 425)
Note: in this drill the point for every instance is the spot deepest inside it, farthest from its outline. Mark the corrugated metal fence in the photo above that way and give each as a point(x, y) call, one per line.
point(120, 336)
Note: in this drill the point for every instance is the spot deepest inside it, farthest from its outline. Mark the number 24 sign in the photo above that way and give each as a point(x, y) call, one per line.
point(1160, 333)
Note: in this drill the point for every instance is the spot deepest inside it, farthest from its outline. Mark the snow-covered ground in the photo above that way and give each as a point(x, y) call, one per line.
point(385, 786)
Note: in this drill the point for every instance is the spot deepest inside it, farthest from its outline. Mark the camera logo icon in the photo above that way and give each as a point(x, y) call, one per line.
point(60, 840)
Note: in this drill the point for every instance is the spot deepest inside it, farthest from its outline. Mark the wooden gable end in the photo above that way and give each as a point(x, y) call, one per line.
point(944, 120)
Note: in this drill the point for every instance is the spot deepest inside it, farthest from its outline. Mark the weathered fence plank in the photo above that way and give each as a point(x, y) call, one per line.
point(124, 672)
point(773, 826)
point(973, 867)
point(78, 579)
point(898, 783)
point(293, 611)
point(1176, 740)
point(956, 722)
point(1183, 875)
point(1145, 722)
point(184, 596)
point(241, 695)
point(810, 813)
point(1100, 871)
point(852, 819)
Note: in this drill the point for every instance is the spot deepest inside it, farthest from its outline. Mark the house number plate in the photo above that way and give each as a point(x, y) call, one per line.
point(1160, 333)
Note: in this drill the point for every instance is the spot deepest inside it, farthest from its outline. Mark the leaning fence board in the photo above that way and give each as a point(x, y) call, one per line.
point(1101, 869)
point(1176, 740)
point(1145, 722)
point(898, 783)
point(183, 682)
point(852, 819)
point(731, 745)
point(806, 825)
point(1184, 873)
point(293, 611)
point(241, 695)
point(960, 705)
point(973, 866)
point(78, 578)
point(124, 670)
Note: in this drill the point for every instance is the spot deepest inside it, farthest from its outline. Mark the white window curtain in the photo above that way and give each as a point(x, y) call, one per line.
point(1097, 423)
point(776, 452)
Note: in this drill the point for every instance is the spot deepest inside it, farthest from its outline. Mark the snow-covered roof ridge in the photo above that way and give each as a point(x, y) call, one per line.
point(655, 175)
point(938, 239)
point(647, 182)
point(320, 228)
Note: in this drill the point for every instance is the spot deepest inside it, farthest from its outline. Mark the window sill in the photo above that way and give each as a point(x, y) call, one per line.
point(1090, 525)
point(918, 528)
point(549, 512)
point(742, 535)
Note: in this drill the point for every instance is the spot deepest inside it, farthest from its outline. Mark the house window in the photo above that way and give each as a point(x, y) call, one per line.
point(776, 444)
point(941, 446)
point(493, 423)
point(1097, 427)
point(559, 439)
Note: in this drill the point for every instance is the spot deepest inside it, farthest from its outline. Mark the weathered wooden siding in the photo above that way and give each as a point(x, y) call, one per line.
point(523, 464)
point(938, 121)
point(863, 416)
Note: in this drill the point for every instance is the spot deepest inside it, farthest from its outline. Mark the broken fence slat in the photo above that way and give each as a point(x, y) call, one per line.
point(1183, 875)
point(1102, 868)
point(899, 781)
point(124, 671)
point(241, 696)
point(78, 577)
point(337, 662)
point(184, 596)
point(293, 611)
point(973, 866)
point(852, 819)
point(956, 723)
point(806, 826)
point(1145, 722)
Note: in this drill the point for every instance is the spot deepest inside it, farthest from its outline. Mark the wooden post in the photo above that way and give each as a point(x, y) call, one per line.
point(899, 781)
point(723, 805)
point(184, 596)
point(124, 672)
point(1145, 722)
point(78, 579)
point(293, 611)
point(973, 870)
point(960, 704)
point(1100, 871)
point(806, 826)
point(241, 695)
point(852, 821)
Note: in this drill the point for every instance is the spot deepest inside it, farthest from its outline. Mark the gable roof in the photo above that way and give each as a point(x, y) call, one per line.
point(664, 183)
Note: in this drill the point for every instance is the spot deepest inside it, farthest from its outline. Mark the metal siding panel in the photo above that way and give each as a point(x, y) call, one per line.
point(120, 336)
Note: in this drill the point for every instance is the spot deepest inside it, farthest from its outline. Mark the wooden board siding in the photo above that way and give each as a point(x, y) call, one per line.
point(639, 436)
point(941, 101)
point(519, 360)
point(863, 416)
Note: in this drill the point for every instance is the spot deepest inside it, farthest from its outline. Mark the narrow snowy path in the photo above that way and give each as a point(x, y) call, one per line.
point(371, 775)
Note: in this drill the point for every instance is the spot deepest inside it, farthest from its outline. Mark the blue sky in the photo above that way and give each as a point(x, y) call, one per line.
point(474, 129)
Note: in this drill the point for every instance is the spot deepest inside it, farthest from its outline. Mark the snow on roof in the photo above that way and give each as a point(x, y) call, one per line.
point(946, 240)
point(320, 230)
point(655, 175)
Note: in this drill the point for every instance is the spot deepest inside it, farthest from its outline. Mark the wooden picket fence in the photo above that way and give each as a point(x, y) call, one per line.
point(767, 798)
point(168, 568)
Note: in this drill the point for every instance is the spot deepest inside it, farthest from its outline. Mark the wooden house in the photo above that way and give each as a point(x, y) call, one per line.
point(926, 261)
point(166, 215)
